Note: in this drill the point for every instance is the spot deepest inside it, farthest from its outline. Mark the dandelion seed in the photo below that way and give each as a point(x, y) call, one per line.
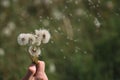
point(57, 14)
point(79, 20)
point(2, 52)
point(76, 2)
point(71, 14)
point(5, 3)
point(110, 4)
point(78, 30)
point(52, 67)
point(97, 23)
point(59, 28)
point(48, 1)
point(76, 40)
point(37, 2)
point(45, 23)
point(52, 42)
point(85, 52)
point(61, 50)
point(66, 7)
point(76, 50)
point(64, 57)
point(79, 12)
point(11, 26)
point(67, 43)
point(6, 31)
point(55, 31)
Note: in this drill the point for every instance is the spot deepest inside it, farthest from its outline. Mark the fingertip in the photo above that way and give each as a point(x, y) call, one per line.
point(41, 66)
point(41, 63)
point(32, 69)
point(30, 73)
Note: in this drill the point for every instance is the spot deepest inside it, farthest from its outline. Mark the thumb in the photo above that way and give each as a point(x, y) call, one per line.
point(30, 73)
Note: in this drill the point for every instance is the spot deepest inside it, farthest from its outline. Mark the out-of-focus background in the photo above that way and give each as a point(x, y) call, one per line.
point(85, 43)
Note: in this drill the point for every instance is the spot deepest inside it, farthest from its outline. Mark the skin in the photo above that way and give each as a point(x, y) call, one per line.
point(36, 72)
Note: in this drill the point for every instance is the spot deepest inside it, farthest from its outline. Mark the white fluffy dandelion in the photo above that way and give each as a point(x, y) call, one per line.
point(38, 41)
point(45, 36)
point(23, 39)
point(38, 33)
point(40, 36)
point(34, 51)
point(31, 39)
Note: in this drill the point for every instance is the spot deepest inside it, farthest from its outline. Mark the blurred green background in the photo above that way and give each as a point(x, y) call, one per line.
point(85, 43)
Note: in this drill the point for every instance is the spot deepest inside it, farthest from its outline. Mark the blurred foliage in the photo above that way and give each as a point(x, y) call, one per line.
point(85, 38)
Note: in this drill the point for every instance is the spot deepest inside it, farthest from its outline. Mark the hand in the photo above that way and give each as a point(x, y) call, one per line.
point(36, 72)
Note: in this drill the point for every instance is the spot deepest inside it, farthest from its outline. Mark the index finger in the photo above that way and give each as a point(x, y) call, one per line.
point(40, 67)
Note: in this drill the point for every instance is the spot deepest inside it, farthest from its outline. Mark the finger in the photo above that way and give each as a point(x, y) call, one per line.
point(30, 73)
point(40, 67)
point(46, 78)
point(42, 76)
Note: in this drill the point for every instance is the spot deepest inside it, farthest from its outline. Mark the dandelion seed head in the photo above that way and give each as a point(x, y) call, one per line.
point(45, 36)
point(34, 51)
point(38, 33)
point(32, 38)
point(23, 39)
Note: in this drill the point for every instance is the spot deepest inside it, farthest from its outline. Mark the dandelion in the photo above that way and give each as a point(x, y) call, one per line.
point(34, 40)
point(31, 39)
point(45, 36)
point(23, 39)
point(34, 51)
point(38, 41)
point(38, 35)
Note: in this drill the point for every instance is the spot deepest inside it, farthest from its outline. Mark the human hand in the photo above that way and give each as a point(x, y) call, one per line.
point(36, 72)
